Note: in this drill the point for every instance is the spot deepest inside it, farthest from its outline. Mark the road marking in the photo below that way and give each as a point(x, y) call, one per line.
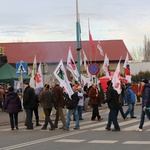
point(103, 141)
point(137, 142)
point(120, 124)
point(136, 126)
point(41, 140)
point(69, 141)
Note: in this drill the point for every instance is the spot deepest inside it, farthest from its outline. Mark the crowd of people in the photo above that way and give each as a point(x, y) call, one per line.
point(55, 96)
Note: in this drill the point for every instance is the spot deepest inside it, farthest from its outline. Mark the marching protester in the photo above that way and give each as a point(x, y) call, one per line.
point(12, 106)
point(47, 98)
point(80, 103)
point(59, 104)
point(94, 96)
point(112, 99)
point(72, 105)
point(130, 100)
point(145, 94)
point(28, 104)
point(35, 109)
point(86, 97)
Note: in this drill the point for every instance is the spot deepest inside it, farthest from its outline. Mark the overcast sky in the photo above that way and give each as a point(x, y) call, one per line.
point(55, 20)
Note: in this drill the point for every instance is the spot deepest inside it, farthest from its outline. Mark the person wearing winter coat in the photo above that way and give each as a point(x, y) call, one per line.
point(94, 96)
point(112, 99)
point(59, 104)
point(47, 98)
point(145, 94)
point(12, 106)
point(28, 103)
point(130, 100)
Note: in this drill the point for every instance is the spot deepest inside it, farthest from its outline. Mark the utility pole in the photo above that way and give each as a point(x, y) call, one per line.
point(78, 36)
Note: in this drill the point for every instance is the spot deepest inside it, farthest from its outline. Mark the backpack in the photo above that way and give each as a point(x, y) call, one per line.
point(71, 103)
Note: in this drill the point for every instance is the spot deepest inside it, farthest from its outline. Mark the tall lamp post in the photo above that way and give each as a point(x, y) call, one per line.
point(78, 37)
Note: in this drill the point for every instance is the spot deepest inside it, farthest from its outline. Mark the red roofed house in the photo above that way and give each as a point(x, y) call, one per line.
point(52, 52)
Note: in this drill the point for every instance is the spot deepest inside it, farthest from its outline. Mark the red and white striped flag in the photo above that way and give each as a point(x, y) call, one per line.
point(100, 48)
point(126, 66)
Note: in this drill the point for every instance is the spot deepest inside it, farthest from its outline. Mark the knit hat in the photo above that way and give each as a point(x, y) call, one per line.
point(144, 80)
point(26, 82)
point(129, 84)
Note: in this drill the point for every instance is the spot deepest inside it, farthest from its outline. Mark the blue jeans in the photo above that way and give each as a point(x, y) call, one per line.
point(143, 113)
point(112, 117)
point(130, 110)
point(121, 111)
point(80, 108)
point(69, 114)
point(29, 113)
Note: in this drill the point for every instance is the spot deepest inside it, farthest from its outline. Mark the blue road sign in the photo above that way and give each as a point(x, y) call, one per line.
point(93, 69)
point(21, 68)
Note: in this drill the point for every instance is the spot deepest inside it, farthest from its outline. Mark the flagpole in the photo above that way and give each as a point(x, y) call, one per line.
point(78, 37)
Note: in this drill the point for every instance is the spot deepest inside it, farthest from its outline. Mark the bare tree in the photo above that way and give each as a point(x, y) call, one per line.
point(146, 49)
point(137, 54)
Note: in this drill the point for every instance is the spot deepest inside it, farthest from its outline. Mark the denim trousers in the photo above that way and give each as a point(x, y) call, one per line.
point(121, 111)
point(130, 110)
point(29, 114)
point(69, 114)
point(80, 109)
point(112, 117)
point(143, 113)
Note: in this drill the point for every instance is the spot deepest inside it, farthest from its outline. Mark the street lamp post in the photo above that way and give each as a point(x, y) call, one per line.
point(78, 36)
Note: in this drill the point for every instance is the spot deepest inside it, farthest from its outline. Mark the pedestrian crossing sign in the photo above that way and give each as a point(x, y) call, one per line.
point(21, 68)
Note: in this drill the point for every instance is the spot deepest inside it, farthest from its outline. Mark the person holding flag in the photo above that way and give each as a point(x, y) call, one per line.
point(112, 99)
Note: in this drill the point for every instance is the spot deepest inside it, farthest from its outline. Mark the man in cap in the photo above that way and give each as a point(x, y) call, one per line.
point(28, 103)
point(145, 94)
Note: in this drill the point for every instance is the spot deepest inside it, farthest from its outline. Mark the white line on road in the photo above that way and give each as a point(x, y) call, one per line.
point(69, 141)
point(136, 142)
point(103, 141)
point(41, 140)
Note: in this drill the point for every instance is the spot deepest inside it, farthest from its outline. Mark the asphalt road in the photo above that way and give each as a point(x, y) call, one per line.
point(92, 135)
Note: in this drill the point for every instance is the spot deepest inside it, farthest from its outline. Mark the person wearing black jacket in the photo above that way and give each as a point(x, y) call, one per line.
point(28, 103)
point(112, 99)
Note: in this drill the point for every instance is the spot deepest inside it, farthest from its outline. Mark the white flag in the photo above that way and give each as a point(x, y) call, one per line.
point(115, 80)
point(71, 66)
point(80, 58)
point(105, 66)
point(61, 76)
point(126, 61)
point(85, 80)
point(39, 78)
point(84, 59)
point(100, 48)
point(34, 69)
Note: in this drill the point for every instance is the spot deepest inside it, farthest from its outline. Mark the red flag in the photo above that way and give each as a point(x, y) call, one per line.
point(91, 42)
